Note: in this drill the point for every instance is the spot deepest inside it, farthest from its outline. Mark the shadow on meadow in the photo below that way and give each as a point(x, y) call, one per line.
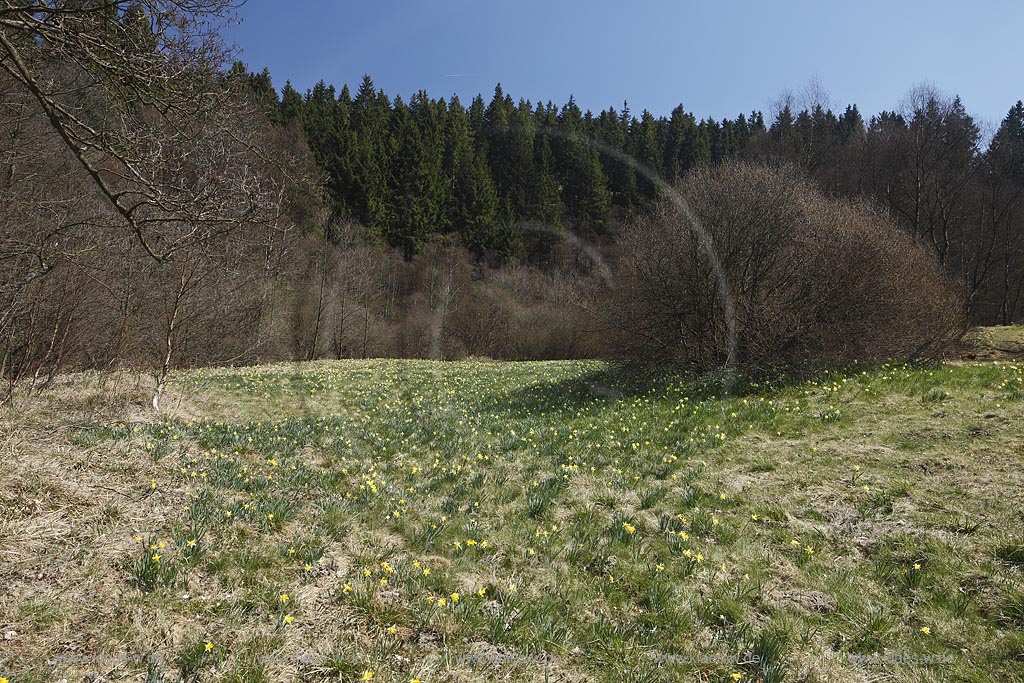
point(595, 390)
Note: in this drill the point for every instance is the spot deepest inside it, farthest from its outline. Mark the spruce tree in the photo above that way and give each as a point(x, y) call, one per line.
point(584, 185)
point(1007, 148)
point(851, 125)
point(371, 151)
point(614, 159)
point(644, 144)
point(547, 210)
point(415, 192)
point(475, 206)
point(291, 104)
point(262, 88)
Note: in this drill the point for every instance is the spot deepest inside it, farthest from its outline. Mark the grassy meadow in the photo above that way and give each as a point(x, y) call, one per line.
point(403, 521)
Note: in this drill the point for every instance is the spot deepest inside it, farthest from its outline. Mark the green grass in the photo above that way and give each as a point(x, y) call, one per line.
point(525, 521)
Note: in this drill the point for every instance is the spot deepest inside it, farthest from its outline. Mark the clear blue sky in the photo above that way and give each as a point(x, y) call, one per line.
point(717, 59)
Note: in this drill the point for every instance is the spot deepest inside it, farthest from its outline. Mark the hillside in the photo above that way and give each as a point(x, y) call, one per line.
point(414, 520)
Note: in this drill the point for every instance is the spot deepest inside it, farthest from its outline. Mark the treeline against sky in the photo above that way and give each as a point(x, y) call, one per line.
point(406, 170)
point(511, 178)
point(158, 210)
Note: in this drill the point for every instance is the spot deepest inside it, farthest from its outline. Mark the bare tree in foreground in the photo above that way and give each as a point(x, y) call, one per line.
point(175, 189)
point(129, 87)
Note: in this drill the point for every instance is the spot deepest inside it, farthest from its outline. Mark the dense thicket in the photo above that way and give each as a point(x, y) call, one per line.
point(750, 266)
point(512, 178)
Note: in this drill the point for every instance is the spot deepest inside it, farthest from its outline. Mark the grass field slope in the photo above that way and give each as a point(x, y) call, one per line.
point(407, 521)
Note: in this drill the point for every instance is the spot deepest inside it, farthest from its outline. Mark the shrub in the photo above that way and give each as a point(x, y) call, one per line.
point(749, 264)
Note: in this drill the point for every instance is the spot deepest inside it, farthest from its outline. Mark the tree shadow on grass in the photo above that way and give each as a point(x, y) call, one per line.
point(598, 389)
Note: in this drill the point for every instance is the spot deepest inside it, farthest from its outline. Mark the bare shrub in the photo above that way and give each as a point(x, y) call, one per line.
point(524, 313)
point(767, 273)
point(515, 312)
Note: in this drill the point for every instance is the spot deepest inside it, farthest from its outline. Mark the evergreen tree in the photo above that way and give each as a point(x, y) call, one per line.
point(692, 148)
point(1006, 152)
point(757, 123)
point(518, 175)
point(584, 186)
point(721, 137)
point(323, 125)
point(416, 189)
point(291, 104)
point(371, 150)
point(546, 210)
point(1003, 204)
point(406, 171)
point(509, 134)
point(851, 125)
point(477, 118)
point(621, 175)
point(783, 136)
point(263, 90)
point(473, 199)
point(646, 151)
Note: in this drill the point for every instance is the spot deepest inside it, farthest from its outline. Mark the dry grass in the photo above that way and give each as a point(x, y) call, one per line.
point(994, 343)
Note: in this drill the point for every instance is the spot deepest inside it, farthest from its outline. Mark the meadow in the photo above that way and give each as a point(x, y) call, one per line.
point(415, 521)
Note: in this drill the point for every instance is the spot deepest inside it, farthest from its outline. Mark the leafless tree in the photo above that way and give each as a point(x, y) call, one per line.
point(132, 88)
point(128, 104)
point(765, 271)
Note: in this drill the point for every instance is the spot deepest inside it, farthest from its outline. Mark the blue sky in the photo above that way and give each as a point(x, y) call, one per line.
point(718, 59)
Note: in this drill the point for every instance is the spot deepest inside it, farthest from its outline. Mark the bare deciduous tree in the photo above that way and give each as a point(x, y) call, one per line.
point(132, 88)
point(128, 103)
point(808, 281)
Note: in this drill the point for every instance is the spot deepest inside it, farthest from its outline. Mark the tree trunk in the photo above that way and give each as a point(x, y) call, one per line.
point(165, 365)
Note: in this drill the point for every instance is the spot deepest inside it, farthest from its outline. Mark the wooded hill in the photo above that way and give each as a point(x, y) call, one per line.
point(510, 177)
